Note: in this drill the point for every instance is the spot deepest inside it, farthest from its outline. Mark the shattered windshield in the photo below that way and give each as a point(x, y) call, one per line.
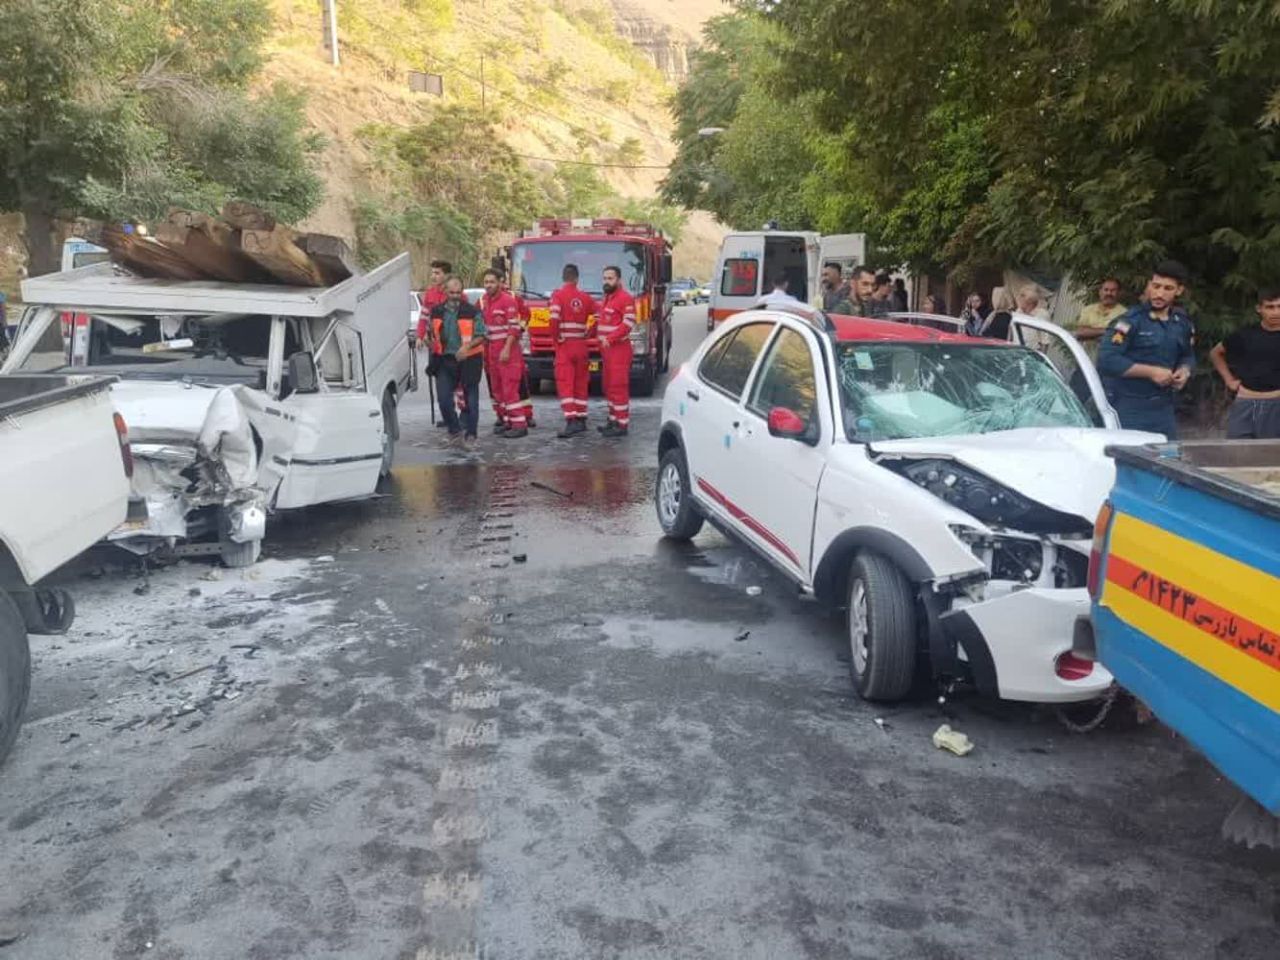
point(536, 268)
point(895, 390)
point(215, 346)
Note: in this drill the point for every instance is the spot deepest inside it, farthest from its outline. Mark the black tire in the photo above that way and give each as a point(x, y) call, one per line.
point(711, 323)
point(49, 611)
point(15, 673)
point(646, 381)
point(535, 386)
point(677, 514)
point(881, 623)
point(390, 432)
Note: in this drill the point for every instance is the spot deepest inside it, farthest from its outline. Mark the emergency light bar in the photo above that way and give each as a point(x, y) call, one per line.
point(609, 226)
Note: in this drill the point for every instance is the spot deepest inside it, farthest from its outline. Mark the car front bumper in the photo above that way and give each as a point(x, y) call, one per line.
point(1012, 643)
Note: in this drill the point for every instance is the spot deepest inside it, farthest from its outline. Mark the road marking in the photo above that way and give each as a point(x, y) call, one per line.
point(485, 671)
point(462, 890)
point(481, 734)
point(484, 700)
point(460, 828)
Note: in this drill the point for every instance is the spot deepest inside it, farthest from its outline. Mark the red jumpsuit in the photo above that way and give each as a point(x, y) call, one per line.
point(431, 298)
point(502, 326)
point(617, 318)
point(570, 310)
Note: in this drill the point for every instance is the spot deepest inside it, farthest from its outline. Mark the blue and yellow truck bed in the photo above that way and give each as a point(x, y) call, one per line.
point(1186, 598)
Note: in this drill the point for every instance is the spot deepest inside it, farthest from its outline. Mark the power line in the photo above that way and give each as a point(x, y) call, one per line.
point(593, 163)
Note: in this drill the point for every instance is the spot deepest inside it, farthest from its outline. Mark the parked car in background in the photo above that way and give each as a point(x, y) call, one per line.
point(64, 473)
point(683, 292)
point(941, 488)
point(243, 398)
point(703, 293)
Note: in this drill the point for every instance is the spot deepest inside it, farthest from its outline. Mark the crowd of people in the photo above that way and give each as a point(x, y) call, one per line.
point(468, 342)
point(1145, 352)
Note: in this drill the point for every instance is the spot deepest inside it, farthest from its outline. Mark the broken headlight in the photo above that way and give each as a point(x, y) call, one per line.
point(984, 498)
point(1006, 558)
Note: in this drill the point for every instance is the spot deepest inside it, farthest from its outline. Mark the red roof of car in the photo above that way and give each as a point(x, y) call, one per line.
point(863, 328)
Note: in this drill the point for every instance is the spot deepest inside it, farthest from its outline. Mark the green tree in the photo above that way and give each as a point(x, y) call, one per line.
point(119, 108)
point(1089, 136)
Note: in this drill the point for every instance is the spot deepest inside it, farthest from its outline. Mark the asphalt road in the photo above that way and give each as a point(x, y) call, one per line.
point(394, 739)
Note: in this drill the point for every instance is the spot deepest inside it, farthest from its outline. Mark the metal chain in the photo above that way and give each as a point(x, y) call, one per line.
point(1108, 701)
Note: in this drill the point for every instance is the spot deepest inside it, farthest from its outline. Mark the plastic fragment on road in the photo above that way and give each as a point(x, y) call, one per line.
point(742, 636)
point(754, 591)
point(944, 738)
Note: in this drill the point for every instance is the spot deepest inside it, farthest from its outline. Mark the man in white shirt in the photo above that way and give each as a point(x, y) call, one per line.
point(779, 297)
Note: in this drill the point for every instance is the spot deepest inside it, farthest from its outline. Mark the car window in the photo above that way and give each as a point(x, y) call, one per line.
point(741, 278)
point(727, 367)
point(786, 379)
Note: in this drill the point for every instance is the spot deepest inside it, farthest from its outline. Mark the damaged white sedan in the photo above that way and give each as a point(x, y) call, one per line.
point(942, 488)
point(241, 399)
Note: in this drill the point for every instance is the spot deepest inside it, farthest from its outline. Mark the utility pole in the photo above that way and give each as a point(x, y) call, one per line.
point(330, 8)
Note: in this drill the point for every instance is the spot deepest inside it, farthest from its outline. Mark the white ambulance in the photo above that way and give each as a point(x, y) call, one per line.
point(749, 262)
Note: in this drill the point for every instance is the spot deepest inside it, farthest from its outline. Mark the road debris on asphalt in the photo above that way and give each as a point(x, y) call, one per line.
point(754, 591)
point(944, 738)
point(742, 636)
point(550, 489)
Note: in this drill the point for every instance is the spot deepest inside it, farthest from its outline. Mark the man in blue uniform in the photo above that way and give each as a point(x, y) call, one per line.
point(1146, 355)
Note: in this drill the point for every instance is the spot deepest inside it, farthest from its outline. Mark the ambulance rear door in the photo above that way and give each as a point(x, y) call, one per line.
point(739, 276)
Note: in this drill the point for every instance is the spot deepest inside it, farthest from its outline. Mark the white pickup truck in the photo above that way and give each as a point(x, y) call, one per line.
point(241, 399)
point(64, 466)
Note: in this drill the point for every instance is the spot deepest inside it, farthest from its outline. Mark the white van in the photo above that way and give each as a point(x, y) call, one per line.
point(749, 262)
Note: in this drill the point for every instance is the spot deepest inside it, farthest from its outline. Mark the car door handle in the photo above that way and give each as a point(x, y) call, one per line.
point(693, 394)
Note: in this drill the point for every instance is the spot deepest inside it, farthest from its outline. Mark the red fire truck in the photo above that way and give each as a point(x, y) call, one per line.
point(639, 249)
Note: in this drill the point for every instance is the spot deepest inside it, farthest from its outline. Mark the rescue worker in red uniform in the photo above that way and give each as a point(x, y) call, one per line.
point(617, 319)
point(503, 360)
point(433, 296)
point(525, 396)
point(570, 310)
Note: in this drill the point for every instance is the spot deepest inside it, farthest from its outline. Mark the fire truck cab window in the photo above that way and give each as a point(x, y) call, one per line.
point(537, 267)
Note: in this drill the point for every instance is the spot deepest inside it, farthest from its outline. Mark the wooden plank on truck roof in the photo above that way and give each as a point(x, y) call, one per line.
point(214, 260)
point(277, 253)
point(145, 255)
point(332, 256)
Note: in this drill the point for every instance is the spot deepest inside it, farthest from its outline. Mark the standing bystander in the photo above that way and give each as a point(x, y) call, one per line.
point(1096, 317)
point(1248, 361)
point(834, 288)
point(458, 338)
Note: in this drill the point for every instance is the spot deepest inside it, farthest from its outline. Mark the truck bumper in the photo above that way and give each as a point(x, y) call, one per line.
point(1013, 642)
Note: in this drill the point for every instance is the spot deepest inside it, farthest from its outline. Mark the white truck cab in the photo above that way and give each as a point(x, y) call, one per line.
point(241, 398)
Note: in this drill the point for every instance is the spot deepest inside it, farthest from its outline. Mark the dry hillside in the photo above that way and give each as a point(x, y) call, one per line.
point(567, 80)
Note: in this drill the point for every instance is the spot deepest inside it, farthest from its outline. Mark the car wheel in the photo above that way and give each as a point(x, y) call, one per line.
point(15, 673)
point(535, 386)
point(677, 514)
point(390, 430)
point(882, 629)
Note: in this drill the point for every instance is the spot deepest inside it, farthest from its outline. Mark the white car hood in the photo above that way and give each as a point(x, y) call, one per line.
point(1062, 468)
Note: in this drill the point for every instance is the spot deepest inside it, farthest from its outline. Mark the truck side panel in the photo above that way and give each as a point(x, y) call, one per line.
point(64, 485)
point(1189, 620)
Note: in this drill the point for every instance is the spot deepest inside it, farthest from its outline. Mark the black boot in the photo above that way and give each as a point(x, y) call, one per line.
point(514, 433)
point(499, 427)
point(607, 425)
point(613, 430)
point(568, 430)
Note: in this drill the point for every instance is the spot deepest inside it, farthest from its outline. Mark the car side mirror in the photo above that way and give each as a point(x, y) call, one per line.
point(666, 269)
point(788, 425)
point(303, 376)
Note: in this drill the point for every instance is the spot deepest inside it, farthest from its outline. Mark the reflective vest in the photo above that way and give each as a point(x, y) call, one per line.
point(465, 327)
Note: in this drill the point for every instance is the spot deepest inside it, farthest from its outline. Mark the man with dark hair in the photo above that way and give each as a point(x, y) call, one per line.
point(1094, 319)
point(780, 296)
point(503, 360)
point(863, 302)
point(1146, 355)
point(884, 290)
point(834, 288)
point(899, 296)
point(1249, 363)
point(571, 308)
point(433, 296)
point(617, 319)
